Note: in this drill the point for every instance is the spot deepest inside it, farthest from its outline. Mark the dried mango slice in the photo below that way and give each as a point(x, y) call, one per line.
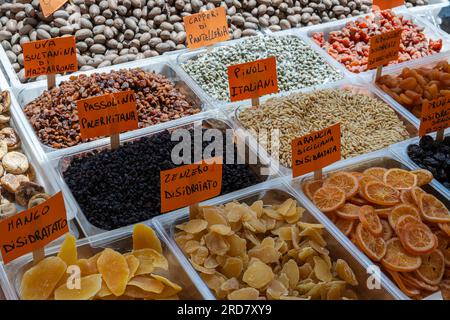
point(167, 282)
point(133, 265)
point(144, 237)
point(114, 270)
point(244, 294)
point(147, 284)
point(149, 259)
point(104, 291)
point(258, 274)
point(39, 281)
point(68, 251)
point(89, 287)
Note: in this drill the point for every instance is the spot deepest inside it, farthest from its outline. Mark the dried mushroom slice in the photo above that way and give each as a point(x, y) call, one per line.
point(9, 135)
point(15, 162)
point(5, 101)
point(37, 199)
point(11, 182)
point(7, 210)
point(26, 191)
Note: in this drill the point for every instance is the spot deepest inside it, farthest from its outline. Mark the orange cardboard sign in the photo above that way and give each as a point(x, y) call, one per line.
point(253, 79)
point(52, 56)
point(383, 48)
point(190, 184)
point(206, 28)
point(387, 4)
point(316, 150)
point(435, 115)
point(50, 6)
point(107, 114)
point(33, 229)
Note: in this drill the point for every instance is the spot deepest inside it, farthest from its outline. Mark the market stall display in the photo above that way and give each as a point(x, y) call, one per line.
point(390, 214)
point(350, 44)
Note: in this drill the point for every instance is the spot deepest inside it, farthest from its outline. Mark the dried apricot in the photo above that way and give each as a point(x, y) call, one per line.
point(68, 251)
point(400, 179)
point(344, 181)
point(397, 259)
point(329, 199)
point(114, 270)
point(39, 281)
point(89, 287)
point(145, 237)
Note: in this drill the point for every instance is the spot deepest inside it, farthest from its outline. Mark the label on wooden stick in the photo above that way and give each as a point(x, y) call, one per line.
point(107, 114)
point(190, 184)
point(253, 79)
point(435, 115)
point(316, 150)
point(384, 48)
point(52, 56)
point(206, 28)
point(34, 228)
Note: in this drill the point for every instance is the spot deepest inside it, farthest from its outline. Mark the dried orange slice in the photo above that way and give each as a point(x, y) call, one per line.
point(357, 200)
point(445, 227)
point(398, 259)
point(357, 175)
point(370, 220)
point(387, 231)
point(329, 198)
point(382, 194)
point(433, 209)
point(344, 181)
point(345, 225)
point(310, 187)
point(400, 179)
point(406, 197)
point(444, 246)
point(417, 239)
point(410, 292)
point(423, 176)
point(412, 280)
point(404, 220)
point(348, 211)
point(373, 246)
point(432, 269)
point(402, 210)
point(362, 185)
point(376, 172)
point(416, 192)
point(383, 212)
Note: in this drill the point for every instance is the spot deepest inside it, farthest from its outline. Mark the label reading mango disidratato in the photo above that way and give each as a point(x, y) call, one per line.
point(34, 228)
point(316, 150)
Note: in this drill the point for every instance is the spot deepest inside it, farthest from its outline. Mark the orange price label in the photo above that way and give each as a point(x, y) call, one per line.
point(33, 229)
point(435, 115)
point(316, 150)
point(190, 184)
point(107, 114)
point(50, 6)
point(57, 55)
point(206, 28)
point(383, 48)
point(253, 79)
point(387, 4)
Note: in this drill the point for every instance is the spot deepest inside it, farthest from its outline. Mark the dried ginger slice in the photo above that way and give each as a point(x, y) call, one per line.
point(149, 259)
point(244, 294)
point(258, 274)
point(133, 265)
point(144, 237)
point(39, 281)
point(89, 287)
point(114, 269)
point(68, 251)
point(104, 291)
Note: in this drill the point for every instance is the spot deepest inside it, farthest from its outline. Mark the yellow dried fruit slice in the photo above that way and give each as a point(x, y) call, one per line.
point(104, 291)
point(322, 269)
point(237, 246)
point(221, 229)
point(68, 251)
point(244, 294)
point(346, 273)
point(145, 237)
point(257, 207)
point(89, 287)
point(214, 215)
point(39, 281)
point(233, 267)
point(133, 265)
point(258, 274)
point(290, 268)
point(276, 290)
point(216, 243)
point(167, 282)
point(147, 284)
point(149, 259)
point(114, 269)
point(193, 226)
